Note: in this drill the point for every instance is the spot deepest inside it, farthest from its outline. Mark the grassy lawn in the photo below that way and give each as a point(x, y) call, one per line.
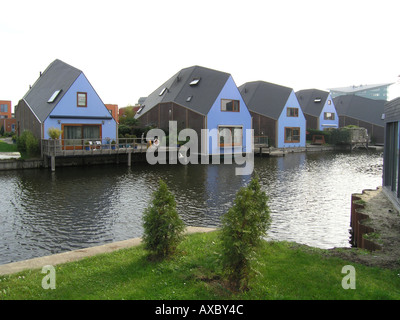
point(288, 271)
point(5, 147)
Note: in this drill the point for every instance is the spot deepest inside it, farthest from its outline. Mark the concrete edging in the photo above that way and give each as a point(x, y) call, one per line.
point(75, 255)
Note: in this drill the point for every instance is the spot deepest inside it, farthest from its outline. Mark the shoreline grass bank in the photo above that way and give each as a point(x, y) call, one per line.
point(289, 271)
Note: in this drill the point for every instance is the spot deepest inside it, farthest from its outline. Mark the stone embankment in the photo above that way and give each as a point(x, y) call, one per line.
point(375, 224)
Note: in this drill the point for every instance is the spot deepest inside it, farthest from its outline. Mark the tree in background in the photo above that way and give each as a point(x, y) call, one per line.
point(243, 229)
point(127, 122)
point(163, 229)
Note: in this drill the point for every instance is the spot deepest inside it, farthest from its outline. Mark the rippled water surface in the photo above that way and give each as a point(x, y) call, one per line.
point(43, 213)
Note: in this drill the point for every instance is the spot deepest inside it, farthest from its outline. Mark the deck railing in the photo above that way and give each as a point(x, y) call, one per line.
point(66, 147)
point(263, 140)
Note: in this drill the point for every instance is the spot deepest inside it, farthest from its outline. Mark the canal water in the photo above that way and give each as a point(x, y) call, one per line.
point(44, 212)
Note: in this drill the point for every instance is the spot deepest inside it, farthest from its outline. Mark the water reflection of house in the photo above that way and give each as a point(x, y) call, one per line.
point(362, 112)
point(318, 108)
point(62, 97)
point(276, 113)
point(200, 98)
point(391, 161)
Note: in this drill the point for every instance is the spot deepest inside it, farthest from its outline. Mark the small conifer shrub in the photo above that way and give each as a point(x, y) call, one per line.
point(243, 227)
point(163, 228)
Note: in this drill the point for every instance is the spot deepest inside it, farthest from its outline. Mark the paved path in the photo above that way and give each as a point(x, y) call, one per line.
point(9, 155)
point(75, 255)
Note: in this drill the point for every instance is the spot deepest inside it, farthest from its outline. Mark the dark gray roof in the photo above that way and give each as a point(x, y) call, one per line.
point(312, 101)
point(178, 90)
point(265, 98)
point(57, 76)
point(361, 108)
point(392, 110)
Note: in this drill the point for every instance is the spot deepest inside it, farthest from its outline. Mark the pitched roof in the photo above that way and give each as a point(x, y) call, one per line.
point(195, 88)
point(265, 98)
point(57, 76)
point(361, 108)
point(312, 101)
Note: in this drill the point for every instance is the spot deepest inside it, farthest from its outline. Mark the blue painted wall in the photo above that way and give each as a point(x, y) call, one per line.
point(67, 106)
point(217, 117)
point(285, 121)
point(328, 108)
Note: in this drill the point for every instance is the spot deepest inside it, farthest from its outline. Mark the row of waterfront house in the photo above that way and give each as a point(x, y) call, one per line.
point(198, 98)
point(201, 98)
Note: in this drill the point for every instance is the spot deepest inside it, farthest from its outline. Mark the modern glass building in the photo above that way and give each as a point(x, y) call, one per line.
point(370, 91)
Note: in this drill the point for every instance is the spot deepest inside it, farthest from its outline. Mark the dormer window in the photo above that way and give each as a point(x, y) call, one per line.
point(194, 82)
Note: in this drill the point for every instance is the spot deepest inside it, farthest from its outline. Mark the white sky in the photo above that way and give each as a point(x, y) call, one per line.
point(128, 48)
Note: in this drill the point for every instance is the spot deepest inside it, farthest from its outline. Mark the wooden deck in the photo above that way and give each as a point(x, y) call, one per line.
point(73, 148)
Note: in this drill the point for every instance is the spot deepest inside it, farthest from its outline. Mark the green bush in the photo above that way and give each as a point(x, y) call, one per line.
point(27, 142)
point(243, 229)
point(54, 133)
point(340, 136)
point(332, 136)
point(163, 229)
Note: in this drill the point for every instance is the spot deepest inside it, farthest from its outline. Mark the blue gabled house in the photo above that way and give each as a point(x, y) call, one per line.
point(205, 100)
point(318, 108)
point(63, 98)
point(276, 113)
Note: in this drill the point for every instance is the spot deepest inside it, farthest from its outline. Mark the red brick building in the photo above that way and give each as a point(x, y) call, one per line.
point(6, 119)
point(113, 108)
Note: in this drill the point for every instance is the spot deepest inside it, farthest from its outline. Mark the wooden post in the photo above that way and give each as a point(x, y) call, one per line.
point(129, 158)
point(53, 163)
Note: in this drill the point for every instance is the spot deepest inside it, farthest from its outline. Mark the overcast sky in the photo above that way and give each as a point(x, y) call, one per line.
point(127, 49)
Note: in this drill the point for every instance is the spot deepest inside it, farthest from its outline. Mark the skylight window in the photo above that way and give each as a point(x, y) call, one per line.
point(162, 91)
point(194, 82)
point(54, 96)
point(189, 98)
point(317, 100)
point(140, 109)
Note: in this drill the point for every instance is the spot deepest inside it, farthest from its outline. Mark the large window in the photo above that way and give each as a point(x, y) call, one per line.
point(230, 105)
point(292, 135)
point(3, 108)
point(81, 98)
point(292, 112)
point(230, 136)
point(79, 134)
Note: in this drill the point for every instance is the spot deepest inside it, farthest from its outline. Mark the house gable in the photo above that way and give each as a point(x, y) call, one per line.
point(286, 121)
point(217, 118)
point(67, 106)
point(67, 110)
point(325, 122)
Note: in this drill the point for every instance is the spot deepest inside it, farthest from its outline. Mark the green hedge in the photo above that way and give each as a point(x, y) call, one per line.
point(27, 142)
point(332, 136)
